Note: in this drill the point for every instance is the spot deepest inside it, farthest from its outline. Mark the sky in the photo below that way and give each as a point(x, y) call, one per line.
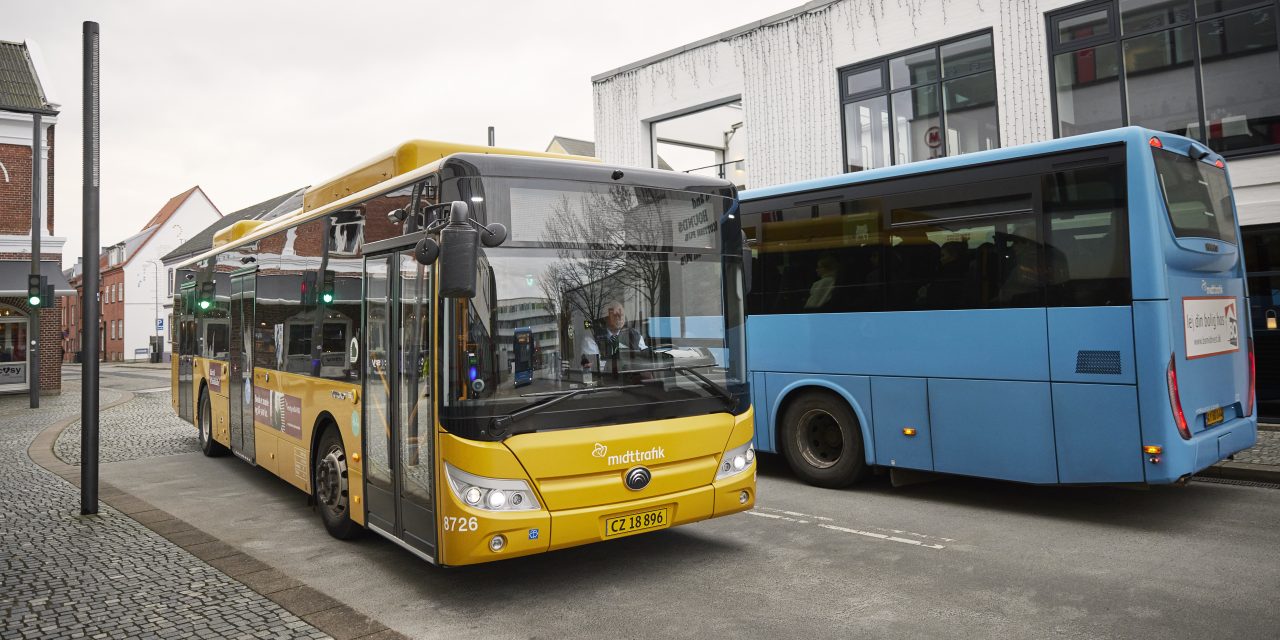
point(250, 99)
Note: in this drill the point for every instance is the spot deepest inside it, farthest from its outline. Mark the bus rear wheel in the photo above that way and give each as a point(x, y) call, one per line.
point(204, 426)
point(329, 482)
point(822, 441)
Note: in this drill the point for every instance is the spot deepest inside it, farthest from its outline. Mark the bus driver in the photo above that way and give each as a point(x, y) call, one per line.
point(614, 334)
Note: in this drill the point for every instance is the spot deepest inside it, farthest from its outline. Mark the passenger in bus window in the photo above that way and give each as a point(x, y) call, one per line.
point(821, 290)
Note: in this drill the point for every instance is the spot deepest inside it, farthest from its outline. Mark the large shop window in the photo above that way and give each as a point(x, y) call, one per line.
point(1206, 69)
point(928, 103)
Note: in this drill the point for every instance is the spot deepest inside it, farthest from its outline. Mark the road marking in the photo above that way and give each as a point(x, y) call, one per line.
point(155, 390)
point(777, 517)
point(786, 516)
point(826, 519)
point(881, 536)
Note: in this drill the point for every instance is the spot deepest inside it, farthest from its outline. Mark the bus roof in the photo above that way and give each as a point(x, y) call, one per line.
point(411, 155)
point(1125, 134)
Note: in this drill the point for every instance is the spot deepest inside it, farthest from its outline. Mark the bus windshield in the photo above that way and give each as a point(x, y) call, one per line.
point(1197, 195)
point(615, 330)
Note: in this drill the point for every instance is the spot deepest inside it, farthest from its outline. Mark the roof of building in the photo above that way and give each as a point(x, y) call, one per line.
point(264, 210)
point(136, 241)
point(20, 88)
point(574, 146)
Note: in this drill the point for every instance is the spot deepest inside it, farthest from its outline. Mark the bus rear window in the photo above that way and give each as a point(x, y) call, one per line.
point(1197, 196)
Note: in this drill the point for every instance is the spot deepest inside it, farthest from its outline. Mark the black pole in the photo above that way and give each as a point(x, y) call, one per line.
point(33, 323)
point(89, 320)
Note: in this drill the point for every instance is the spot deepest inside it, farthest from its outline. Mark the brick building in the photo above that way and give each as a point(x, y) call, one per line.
point(22, 95)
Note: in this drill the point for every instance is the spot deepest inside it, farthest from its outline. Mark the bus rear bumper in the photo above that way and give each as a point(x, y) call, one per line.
point(1205, 449)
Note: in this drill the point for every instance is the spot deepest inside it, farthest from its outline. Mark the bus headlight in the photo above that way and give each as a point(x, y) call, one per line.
point(490, 494)
point(736, 460)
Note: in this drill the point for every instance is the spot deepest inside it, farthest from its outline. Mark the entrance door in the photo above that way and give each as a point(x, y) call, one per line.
point(240, 355)
point(399, 435)
point(185, 317)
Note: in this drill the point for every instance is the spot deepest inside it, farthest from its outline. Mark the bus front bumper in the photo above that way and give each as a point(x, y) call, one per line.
point(528, 533)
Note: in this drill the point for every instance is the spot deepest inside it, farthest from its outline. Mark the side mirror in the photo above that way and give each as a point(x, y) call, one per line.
point(494, 234)
point(459, 253)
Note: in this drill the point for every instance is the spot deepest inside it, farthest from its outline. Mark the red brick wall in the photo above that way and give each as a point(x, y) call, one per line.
point(15, 195)
point(50, 342)
point(113, 348)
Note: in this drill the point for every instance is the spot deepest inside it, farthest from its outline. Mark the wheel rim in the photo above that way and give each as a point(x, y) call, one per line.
point(204, 424)
point(331, 481)
point(819, 439)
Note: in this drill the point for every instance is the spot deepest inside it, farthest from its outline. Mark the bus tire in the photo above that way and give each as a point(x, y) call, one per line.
point(204, 429)
point(329, 485)
point(822, 440)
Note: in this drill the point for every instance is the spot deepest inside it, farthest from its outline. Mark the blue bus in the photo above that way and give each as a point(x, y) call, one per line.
point(1067, 312)
point(522, 349)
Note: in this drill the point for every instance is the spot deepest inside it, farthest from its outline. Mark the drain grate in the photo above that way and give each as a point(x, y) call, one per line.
point(1239, 483)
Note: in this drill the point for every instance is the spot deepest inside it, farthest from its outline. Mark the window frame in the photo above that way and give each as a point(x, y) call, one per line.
point(887, 91)
point(1117, 39)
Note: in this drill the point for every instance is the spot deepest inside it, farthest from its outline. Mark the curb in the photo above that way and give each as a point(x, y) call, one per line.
point(311, 606)
point(1243, 471)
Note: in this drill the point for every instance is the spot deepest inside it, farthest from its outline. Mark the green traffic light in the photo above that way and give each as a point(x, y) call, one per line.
point(204, 305)
point(34, 300)
point(326, 297)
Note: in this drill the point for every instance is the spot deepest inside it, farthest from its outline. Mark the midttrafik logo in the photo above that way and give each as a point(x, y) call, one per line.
point(634, 455)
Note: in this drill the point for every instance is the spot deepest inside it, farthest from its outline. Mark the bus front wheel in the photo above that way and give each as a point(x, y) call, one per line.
point(822, 441)
point(204, 425)
point(330, 486)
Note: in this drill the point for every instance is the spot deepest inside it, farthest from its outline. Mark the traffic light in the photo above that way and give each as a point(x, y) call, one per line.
point(327, 295)
point(205, 302)
point(38, 291)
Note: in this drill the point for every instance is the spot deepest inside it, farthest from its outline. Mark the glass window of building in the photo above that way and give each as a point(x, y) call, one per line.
point(1206, 69)
point(931, 102)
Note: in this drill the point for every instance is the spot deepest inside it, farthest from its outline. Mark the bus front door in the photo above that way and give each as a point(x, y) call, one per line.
point(186, 352)
point(399, 424)
point(240, 356)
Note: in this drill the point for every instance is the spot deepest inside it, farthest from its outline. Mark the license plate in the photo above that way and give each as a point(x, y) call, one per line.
point(1213, 417)
point(633, 522)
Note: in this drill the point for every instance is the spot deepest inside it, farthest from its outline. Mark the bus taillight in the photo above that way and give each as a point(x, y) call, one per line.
point(1253, 380)
point(1175, 401)
point(1219, 164)
point(1155, 142)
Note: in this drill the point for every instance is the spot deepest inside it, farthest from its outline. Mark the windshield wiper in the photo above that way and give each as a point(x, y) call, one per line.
point(501, 425)
point(692, 372)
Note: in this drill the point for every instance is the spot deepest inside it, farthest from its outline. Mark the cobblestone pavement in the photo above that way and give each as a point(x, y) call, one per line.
point(142, 428)
point(63, 575)
point(1267, 451)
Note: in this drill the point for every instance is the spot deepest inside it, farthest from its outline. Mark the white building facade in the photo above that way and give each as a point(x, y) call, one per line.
point(146, 284)
point(831, 87)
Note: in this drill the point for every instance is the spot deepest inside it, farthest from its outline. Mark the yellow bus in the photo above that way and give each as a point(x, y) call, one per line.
point(364, 349)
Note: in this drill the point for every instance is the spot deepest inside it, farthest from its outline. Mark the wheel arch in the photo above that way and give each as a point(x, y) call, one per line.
point(323, 421)
point(796, 388)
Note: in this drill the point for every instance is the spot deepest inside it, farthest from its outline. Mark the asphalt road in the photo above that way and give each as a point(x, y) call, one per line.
point(953, 558)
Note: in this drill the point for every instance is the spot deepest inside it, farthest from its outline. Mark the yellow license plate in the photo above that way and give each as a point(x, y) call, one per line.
point(633, 522)
point(1213, 417)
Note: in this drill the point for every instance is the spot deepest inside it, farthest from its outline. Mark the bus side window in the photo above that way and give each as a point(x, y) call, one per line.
point(1087, 249)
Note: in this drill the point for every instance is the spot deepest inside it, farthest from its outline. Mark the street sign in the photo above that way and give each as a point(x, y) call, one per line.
point(159, 324)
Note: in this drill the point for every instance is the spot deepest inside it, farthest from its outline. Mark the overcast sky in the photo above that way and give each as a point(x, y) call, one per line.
point(252, 99)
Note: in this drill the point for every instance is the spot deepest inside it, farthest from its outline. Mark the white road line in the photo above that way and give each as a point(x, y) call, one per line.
point(881, 536)
point(155, 390)
point(760, 512)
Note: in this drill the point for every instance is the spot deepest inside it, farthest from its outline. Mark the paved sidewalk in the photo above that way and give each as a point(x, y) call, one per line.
point(1261, 463)
point(64, 575)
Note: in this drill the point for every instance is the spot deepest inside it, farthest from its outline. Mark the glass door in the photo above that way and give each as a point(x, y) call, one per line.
point(240, 356)
point(399, 425)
